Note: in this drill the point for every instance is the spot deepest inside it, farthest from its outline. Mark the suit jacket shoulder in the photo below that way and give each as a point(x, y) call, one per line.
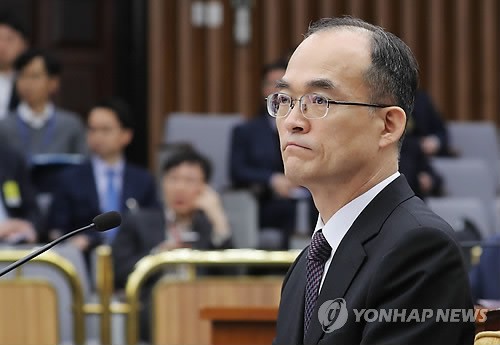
point(397, 255)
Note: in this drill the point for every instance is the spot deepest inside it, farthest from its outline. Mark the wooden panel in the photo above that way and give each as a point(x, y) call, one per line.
point(174, 323)
point(455, 42)
point(34, 321)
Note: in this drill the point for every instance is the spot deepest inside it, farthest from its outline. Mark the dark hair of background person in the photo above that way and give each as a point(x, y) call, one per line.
point(189, 156)
point(52, 64)
point(278, 64)
point(8, 19)
point(393, 74)
point(121, 110)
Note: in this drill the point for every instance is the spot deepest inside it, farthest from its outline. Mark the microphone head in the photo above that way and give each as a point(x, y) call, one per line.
point(108, 220)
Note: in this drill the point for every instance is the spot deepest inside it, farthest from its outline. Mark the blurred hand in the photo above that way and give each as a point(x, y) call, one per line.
point(81, 242)
point(210, 203)
point(15, 230)
point(281, 185)
point(430, 145)
point(425, 182)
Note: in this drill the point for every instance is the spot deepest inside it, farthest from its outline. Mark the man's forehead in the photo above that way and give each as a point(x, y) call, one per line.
point(329, 53)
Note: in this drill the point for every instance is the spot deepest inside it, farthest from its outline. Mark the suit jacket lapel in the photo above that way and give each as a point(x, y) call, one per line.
point(350, 254)
point(290, 328)
point(91, 182)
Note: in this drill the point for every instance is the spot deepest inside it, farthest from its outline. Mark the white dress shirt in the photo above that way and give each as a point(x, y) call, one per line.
point(6, 85)
point(32, 119)
point(3, 212)
point(337, 226)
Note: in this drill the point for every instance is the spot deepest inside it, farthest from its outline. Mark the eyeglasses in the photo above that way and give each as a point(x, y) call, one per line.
point(312, 105)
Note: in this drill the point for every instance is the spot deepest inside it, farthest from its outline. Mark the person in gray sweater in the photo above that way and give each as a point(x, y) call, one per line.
point(37, 126)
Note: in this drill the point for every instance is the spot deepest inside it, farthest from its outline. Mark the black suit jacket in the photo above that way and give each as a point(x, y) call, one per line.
point(255, 155)
point(144, 230)
point(13, 168)
point(397, 255)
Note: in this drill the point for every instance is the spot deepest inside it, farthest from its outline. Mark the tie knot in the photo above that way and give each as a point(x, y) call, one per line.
point(319, 250)
point(110, 173)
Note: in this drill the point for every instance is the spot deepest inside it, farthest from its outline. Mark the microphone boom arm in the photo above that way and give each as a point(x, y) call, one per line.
point(43, 249)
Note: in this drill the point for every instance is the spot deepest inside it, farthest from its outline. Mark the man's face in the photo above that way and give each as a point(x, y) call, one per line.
point(182, 186)
point(34, 84)
point(12, 44)
point(105, 135)
point(346, 141)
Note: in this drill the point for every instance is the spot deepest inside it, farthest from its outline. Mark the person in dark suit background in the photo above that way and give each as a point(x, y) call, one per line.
point(414, 164)
point(13, 41)
point(20, 218)
point(106, 182)
point(341, 112)
point(255, 164)
point(427, 124)
point(192, 217)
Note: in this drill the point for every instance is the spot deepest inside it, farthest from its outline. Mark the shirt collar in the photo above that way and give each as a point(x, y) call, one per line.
point(101, 167)
point(337, 226)
point(35, 121)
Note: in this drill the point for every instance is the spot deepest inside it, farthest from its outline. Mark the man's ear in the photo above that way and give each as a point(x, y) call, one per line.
point(394, 125)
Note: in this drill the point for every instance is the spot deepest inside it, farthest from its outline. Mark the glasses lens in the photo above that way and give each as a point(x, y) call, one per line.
point(314, 106)
point(278, 104)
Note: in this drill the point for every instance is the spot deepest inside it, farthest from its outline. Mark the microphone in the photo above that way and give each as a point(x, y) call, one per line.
point(102, 222)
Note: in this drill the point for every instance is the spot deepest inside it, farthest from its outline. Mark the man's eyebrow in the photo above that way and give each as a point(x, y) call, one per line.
point(313, 84)
point(282, 84)
point(321, 84)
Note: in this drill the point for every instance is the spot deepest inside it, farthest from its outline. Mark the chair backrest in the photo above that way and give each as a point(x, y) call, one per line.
point(455, 209)
point(208, 134)
point(466, 177)
point(469, 177)
point(242, 211)
point(61, 285)
point(29, 314)
point(476, 140)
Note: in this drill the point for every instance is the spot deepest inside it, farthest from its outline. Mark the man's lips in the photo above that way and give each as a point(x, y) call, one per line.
point(295, 145)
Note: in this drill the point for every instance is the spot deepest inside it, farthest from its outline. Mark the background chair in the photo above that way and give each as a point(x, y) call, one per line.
point(476, 140)
point(209, 135)
point(470, 178)
point(455, 210)
point(242, 211)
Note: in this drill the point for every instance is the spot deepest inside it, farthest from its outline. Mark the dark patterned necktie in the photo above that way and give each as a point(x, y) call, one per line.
point(318, 253)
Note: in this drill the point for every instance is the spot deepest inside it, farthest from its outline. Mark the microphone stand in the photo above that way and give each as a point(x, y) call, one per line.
point(43, 249)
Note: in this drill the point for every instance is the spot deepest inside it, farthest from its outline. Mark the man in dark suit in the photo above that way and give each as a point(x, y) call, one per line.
point(106, 182)
point(341, 114)
point(193, 217)
point(20, 219)
point(255, 164)
point(428, 125)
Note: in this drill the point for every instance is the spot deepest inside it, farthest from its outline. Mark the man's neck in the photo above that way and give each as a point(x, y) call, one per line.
point(112, 159)
point(38, 109)
point(331, 197)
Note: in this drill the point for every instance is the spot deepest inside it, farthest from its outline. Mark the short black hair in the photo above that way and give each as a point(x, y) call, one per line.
point(393, 74)
point(120, 108)
point(8, 19)
point(190, 156)
point(280, 64)
point(52, 64)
